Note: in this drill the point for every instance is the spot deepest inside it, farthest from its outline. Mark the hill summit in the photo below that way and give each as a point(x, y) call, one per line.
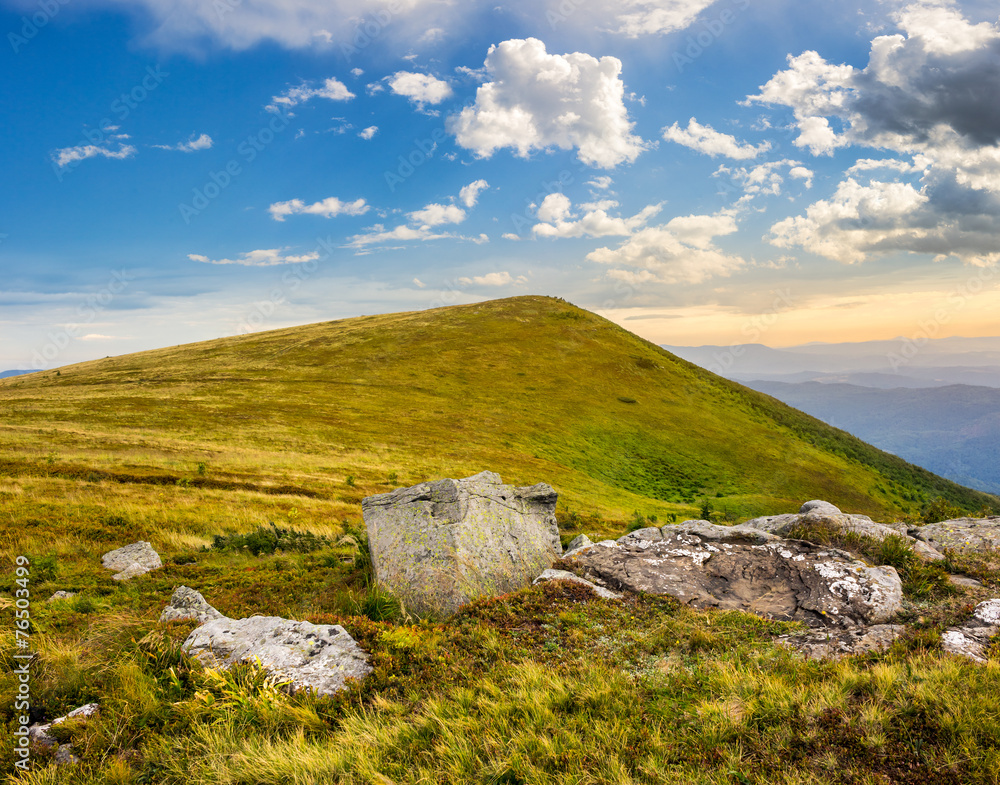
point(530, 387)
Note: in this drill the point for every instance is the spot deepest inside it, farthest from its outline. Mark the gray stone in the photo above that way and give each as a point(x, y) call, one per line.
point(819, 506)
point(964, 582)
point(826, 514)
point(131, 560)
point(709, 566)
point(61, 595)
point(965, 535)
point(580, 541)
point(650, 534)
point(972, 639)
point(835, 643)
point(564, 575)
point(186, 604)
point(38, 734)
point(308, 656)
point(438, 545)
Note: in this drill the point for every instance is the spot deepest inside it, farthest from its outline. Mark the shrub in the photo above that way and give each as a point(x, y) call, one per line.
point(941, 510)
point(268, 539)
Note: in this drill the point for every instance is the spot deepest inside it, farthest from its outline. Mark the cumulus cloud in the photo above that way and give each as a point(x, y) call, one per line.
point(931, 93)
point(202, 142)
point(332, 89)
point(368, 132)
point(438, 214)
point(707, 140)
point(470, 193)
point(493, 279)
point(536, 100)
point(601, 182)
point(558, 219)
point(265, 257)
point(328, 208)
point(421, 89)
point(680, 251)
point(635, 18)
point(765, 179)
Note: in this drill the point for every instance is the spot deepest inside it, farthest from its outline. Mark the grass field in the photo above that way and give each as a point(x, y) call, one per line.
point(292, 428)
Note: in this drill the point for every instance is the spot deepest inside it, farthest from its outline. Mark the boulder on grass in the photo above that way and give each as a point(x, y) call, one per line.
point(132, 560)
point(741, 568)
point(186, 604)
point(317, 657)
point(438, 545)
point(972, 639)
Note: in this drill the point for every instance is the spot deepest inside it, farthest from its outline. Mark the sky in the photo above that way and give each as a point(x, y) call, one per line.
point(698, 171)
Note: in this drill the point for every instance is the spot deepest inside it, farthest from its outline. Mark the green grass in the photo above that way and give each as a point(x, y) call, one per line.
point(264, 446)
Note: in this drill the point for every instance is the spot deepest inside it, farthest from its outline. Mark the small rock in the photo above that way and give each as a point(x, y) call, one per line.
point(62, 595)
point(309, 656)
point(821, 507)
point(964, 582)
point(39, 736)
point(64, 755)
point(131, 560)
point(185, 604)
point(972, 638)
point(580, 541)
point(833, 644)
point(565, 575)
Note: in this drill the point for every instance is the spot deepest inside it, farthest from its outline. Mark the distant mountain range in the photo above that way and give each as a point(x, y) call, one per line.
point(936, 404)
point(886, 364)
point(952, 431)
point(5, 374)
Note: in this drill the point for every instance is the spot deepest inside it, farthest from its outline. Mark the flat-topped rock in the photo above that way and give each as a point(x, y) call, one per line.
point(965, 535)
point(438, 545)
point(743, 568)
point(835, 644)
point(131, 560)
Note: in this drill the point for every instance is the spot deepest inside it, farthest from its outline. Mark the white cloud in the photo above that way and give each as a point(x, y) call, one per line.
point(764, 179)
point(470, 193)
point(203, 142)
point(930, 93)
point(368, 132)
point(378, 235)
point(356, 72)
point(328, 208)
point(557, 219)
point(332, 88)
point(537, 100)
point(265, 257)
point(637, 18)
point(601, 182)
point(680, 251)
point(707, 140)
point(438, 214)
point(419, 284)
point(420, 88)
point(493, 279)
point(68, 155)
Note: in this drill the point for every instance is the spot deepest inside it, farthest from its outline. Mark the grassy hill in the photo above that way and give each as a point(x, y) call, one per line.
point(244, 460)
point(530, 387)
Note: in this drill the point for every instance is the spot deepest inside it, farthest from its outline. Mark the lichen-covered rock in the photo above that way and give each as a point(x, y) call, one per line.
point(835, 643)
point(185, 604)
point(438, 545)
point(965, 535)
point(131, 560)
point(580, 541)
point(823, 513)
point(308, 656)
point(61, 595)
point(565, 575)
point(38, 734)
point(742, 568)
point(973, 638)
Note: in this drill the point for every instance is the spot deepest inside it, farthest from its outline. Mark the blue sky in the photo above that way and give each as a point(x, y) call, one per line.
point(701, 172)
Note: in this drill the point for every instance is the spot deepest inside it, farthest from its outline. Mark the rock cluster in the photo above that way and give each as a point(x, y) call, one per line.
point(43, 741)
point(438, 545)
point(972, 638)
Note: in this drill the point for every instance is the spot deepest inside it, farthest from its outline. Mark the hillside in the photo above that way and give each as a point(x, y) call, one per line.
point(953, 431)
point(530, 387)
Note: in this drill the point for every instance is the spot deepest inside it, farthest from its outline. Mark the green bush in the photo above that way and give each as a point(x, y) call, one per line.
point(269, 539)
